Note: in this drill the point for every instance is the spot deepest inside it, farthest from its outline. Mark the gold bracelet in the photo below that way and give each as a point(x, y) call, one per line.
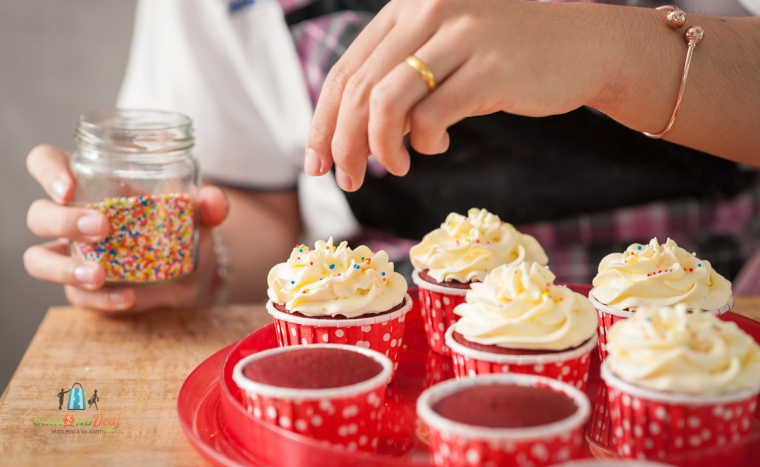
point(675, 19)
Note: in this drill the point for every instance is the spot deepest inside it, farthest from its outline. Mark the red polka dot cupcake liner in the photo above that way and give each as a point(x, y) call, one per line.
point(454, 444)
point(383, 333)
point(348, 416)
point(571, 367)
point(609, 316)
point(650, 424)
point(437, 305)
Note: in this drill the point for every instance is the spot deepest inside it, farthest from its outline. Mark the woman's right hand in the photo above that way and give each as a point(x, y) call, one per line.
point(83, 280)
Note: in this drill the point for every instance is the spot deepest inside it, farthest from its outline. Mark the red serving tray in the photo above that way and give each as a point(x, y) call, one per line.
point(218, 426)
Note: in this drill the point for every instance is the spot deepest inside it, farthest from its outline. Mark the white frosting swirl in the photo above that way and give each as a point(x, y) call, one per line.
point(669, 349)
point(330, 281)
point(467, 248)
point(659, 275)
point(518, 306)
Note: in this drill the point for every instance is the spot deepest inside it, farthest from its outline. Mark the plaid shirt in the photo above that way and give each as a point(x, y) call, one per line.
point(725, 232)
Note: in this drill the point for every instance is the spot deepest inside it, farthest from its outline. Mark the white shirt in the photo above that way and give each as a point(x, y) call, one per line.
point(752, 6)
point(237, 75)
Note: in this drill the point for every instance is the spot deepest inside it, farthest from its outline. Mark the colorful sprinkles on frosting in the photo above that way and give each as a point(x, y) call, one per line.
point(152, 238)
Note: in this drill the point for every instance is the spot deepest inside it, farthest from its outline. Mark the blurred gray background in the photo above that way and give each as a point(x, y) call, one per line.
point(59, 58)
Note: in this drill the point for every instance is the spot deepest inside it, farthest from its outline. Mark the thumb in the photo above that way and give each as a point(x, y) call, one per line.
point(214, 206)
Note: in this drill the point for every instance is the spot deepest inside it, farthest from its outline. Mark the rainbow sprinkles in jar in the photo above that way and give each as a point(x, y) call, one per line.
point(135, 166)
point(152, 238)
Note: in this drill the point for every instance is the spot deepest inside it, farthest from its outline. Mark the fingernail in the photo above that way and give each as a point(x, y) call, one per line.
point(85, 273)
point(312, 164)
point(89, 224)
point(118, 297)
point(59, 187)
point(443, 144)
point(343, 180)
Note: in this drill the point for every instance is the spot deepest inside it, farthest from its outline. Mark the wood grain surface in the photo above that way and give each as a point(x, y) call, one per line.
point(138, 364)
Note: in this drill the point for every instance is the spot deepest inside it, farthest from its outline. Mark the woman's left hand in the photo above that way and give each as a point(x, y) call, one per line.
point(525, 58)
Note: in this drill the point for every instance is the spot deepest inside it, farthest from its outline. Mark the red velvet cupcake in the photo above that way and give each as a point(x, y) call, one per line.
point(327, 392)
point(340, 296)
point(655, 275)
point(679, 381)
point(518, 321)
point(503, 420)
point(463, 251)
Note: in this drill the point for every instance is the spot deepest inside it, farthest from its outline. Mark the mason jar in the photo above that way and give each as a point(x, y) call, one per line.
point(137, 168)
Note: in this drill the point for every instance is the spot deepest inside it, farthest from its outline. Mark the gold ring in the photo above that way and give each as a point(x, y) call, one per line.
point(423, 70)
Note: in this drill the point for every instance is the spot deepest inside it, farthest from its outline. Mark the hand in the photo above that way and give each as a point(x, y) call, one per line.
point(83, 280)
point(525, 58)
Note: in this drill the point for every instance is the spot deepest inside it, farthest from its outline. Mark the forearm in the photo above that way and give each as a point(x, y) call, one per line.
point(640, 67)
point(260, 231)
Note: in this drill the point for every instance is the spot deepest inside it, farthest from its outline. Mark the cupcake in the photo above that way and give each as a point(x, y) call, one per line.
point(678, 381)
point(518, 321)
point(340, 296)
point(463, 251)
point(328, 392)
point(503, 420)
point(655, 275)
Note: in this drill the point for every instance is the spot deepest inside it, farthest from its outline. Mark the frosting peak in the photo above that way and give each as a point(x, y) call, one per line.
point(466, 248)
point(659, 275)
point(330, 281)
point(669, 349)
point(518, 306)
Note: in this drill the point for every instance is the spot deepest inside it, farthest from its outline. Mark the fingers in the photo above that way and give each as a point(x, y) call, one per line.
point(83, 279)
point(214, 206)
point(50, 262)
point(50, 167)
point(128, 300)
point(394, 96)
point(48, 219)
point(175, 295)
point(319, 158)
point(458, 97)
point(350, 145)
point(107, 299)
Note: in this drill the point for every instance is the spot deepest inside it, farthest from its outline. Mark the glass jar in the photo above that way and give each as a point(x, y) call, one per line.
point(136, 167)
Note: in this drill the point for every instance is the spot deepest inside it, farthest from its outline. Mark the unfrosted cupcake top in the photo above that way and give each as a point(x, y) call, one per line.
point(330, 281)
point(669, 349)
point(518, 306)
point(659, 275)
point(466, 248)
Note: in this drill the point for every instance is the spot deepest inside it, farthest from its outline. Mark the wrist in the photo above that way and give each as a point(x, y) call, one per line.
point(639, 67)
point(222, 273)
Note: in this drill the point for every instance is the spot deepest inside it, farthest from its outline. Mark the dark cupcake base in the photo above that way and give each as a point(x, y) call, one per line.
point(281, 307)
point(505, 406)
point(453, 284)
point(495, 349)
point(313, 368)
